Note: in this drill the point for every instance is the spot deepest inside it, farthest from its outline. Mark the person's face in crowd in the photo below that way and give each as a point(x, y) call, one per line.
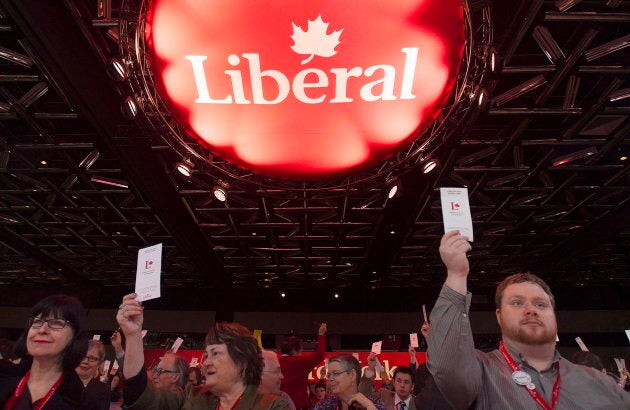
point(271, 376)
point(115, 382)
point(340, 380)
point(320, 393)
point(89, 365)
point(164, 375)
point(221, 371)
point(403, 385)
point(192, 378)
point(526, 315)
point(47, 340)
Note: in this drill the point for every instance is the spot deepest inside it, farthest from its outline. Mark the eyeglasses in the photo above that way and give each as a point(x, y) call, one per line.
point(91, 359)
point(158, 371)
point(56, 324)
point(277, 371)
point(335, 374)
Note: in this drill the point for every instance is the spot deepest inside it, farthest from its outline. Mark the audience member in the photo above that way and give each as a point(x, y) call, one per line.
point(96, 392)
point(427, 394)
point(400, 397)
point(171, 373)
point(271, 378)
point(344, 374)
point(233, 366)
point(367, 384)
point(194, 376)
point(115, 393)
point(526, 372)
point(319, 392)
point(51, 346)
point(296, 366)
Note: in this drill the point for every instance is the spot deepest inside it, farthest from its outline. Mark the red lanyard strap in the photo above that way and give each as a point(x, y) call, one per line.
point(20, 388)
point(531, 389)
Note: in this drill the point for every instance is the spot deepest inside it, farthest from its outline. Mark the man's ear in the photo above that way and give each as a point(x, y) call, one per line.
point(498, 314)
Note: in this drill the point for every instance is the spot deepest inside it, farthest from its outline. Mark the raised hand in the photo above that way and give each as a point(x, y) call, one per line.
point(130, 315)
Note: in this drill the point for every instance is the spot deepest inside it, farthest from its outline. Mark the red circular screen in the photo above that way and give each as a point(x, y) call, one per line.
point(304, 89)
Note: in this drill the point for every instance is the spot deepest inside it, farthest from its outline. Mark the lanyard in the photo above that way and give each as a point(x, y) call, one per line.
point(20, 388)
point(533, 392)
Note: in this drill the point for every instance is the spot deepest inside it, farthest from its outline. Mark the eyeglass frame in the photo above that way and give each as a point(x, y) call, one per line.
point(158, 371)
point(335, 374)
point(92, 359)
point(276, 371)
point(31, 323)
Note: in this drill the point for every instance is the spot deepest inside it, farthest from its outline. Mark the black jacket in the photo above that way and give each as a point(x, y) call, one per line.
point(68, 396)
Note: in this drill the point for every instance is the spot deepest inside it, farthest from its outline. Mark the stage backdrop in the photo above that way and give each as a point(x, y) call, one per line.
point(389, 360)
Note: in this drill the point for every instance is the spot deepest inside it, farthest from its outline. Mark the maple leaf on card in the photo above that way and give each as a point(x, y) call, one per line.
point(314, 41)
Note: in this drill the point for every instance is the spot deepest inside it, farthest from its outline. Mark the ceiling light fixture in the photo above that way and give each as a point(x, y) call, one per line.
point(116, 69)
point(109, 181)
point(129, 108)
point(185, 167)
point(220, 190)
point(574, 156)
point(430, 165)
point(393, 186)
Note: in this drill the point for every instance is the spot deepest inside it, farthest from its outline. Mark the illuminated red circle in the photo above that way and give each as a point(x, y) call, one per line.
point(305, 90)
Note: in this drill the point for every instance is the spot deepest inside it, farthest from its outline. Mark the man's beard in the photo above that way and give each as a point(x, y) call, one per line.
point(531, 336)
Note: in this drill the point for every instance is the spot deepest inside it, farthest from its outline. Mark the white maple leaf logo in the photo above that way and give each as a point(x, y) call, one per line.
point(315, 41)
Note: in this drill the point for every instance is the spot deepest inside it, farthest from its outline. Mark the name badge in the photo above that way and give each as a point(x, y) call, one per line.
point(521, 378)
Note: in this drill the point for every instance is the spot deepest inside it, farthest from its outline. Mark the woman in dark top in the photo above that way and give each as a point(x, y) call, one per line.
point(96, 392)
point(51, 347)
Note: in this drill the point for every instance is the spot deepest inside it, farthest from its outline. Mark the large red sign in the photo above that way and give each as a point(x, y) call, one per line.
point(305, 89)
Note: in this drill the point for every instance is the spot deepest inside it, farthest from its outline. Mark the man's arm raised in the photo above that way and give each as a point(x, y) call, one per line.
point(451, 351)
point(453, 249)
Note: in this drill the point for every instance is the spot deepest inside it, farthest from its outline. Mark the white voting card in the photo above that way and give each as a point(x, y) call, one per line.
point(413, 339)
point(424, 314)
point(177, 344)
point(376, 347)
point(456, 211)
point(581, 344)
point(148, 272)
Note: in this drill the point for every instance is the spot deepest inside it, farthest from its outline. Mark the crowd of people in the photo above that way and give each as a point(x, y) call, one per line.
point(54, 364)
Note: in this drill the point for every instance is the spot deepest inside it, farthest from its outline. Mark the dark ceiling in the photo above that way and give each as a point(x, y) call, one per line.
point(61, 128)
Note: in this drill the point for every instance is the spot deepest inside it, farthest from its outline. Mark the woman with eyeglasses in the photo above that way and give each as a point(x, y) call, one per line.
point(344, 375)
point(96, 392)
point(233, 367)
point(51, 347)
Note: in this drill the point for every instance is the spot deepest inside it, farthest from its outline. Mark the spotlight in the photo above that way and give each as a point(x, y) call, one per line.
point(220, 190)
point(129, 108)
point(283, 295)
point(116, 69)
point(574, 156)
point(336, 295)
point(392, 186)
point(429, 165)
point(496, 62)
point(185, 167)
point(483, 99)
